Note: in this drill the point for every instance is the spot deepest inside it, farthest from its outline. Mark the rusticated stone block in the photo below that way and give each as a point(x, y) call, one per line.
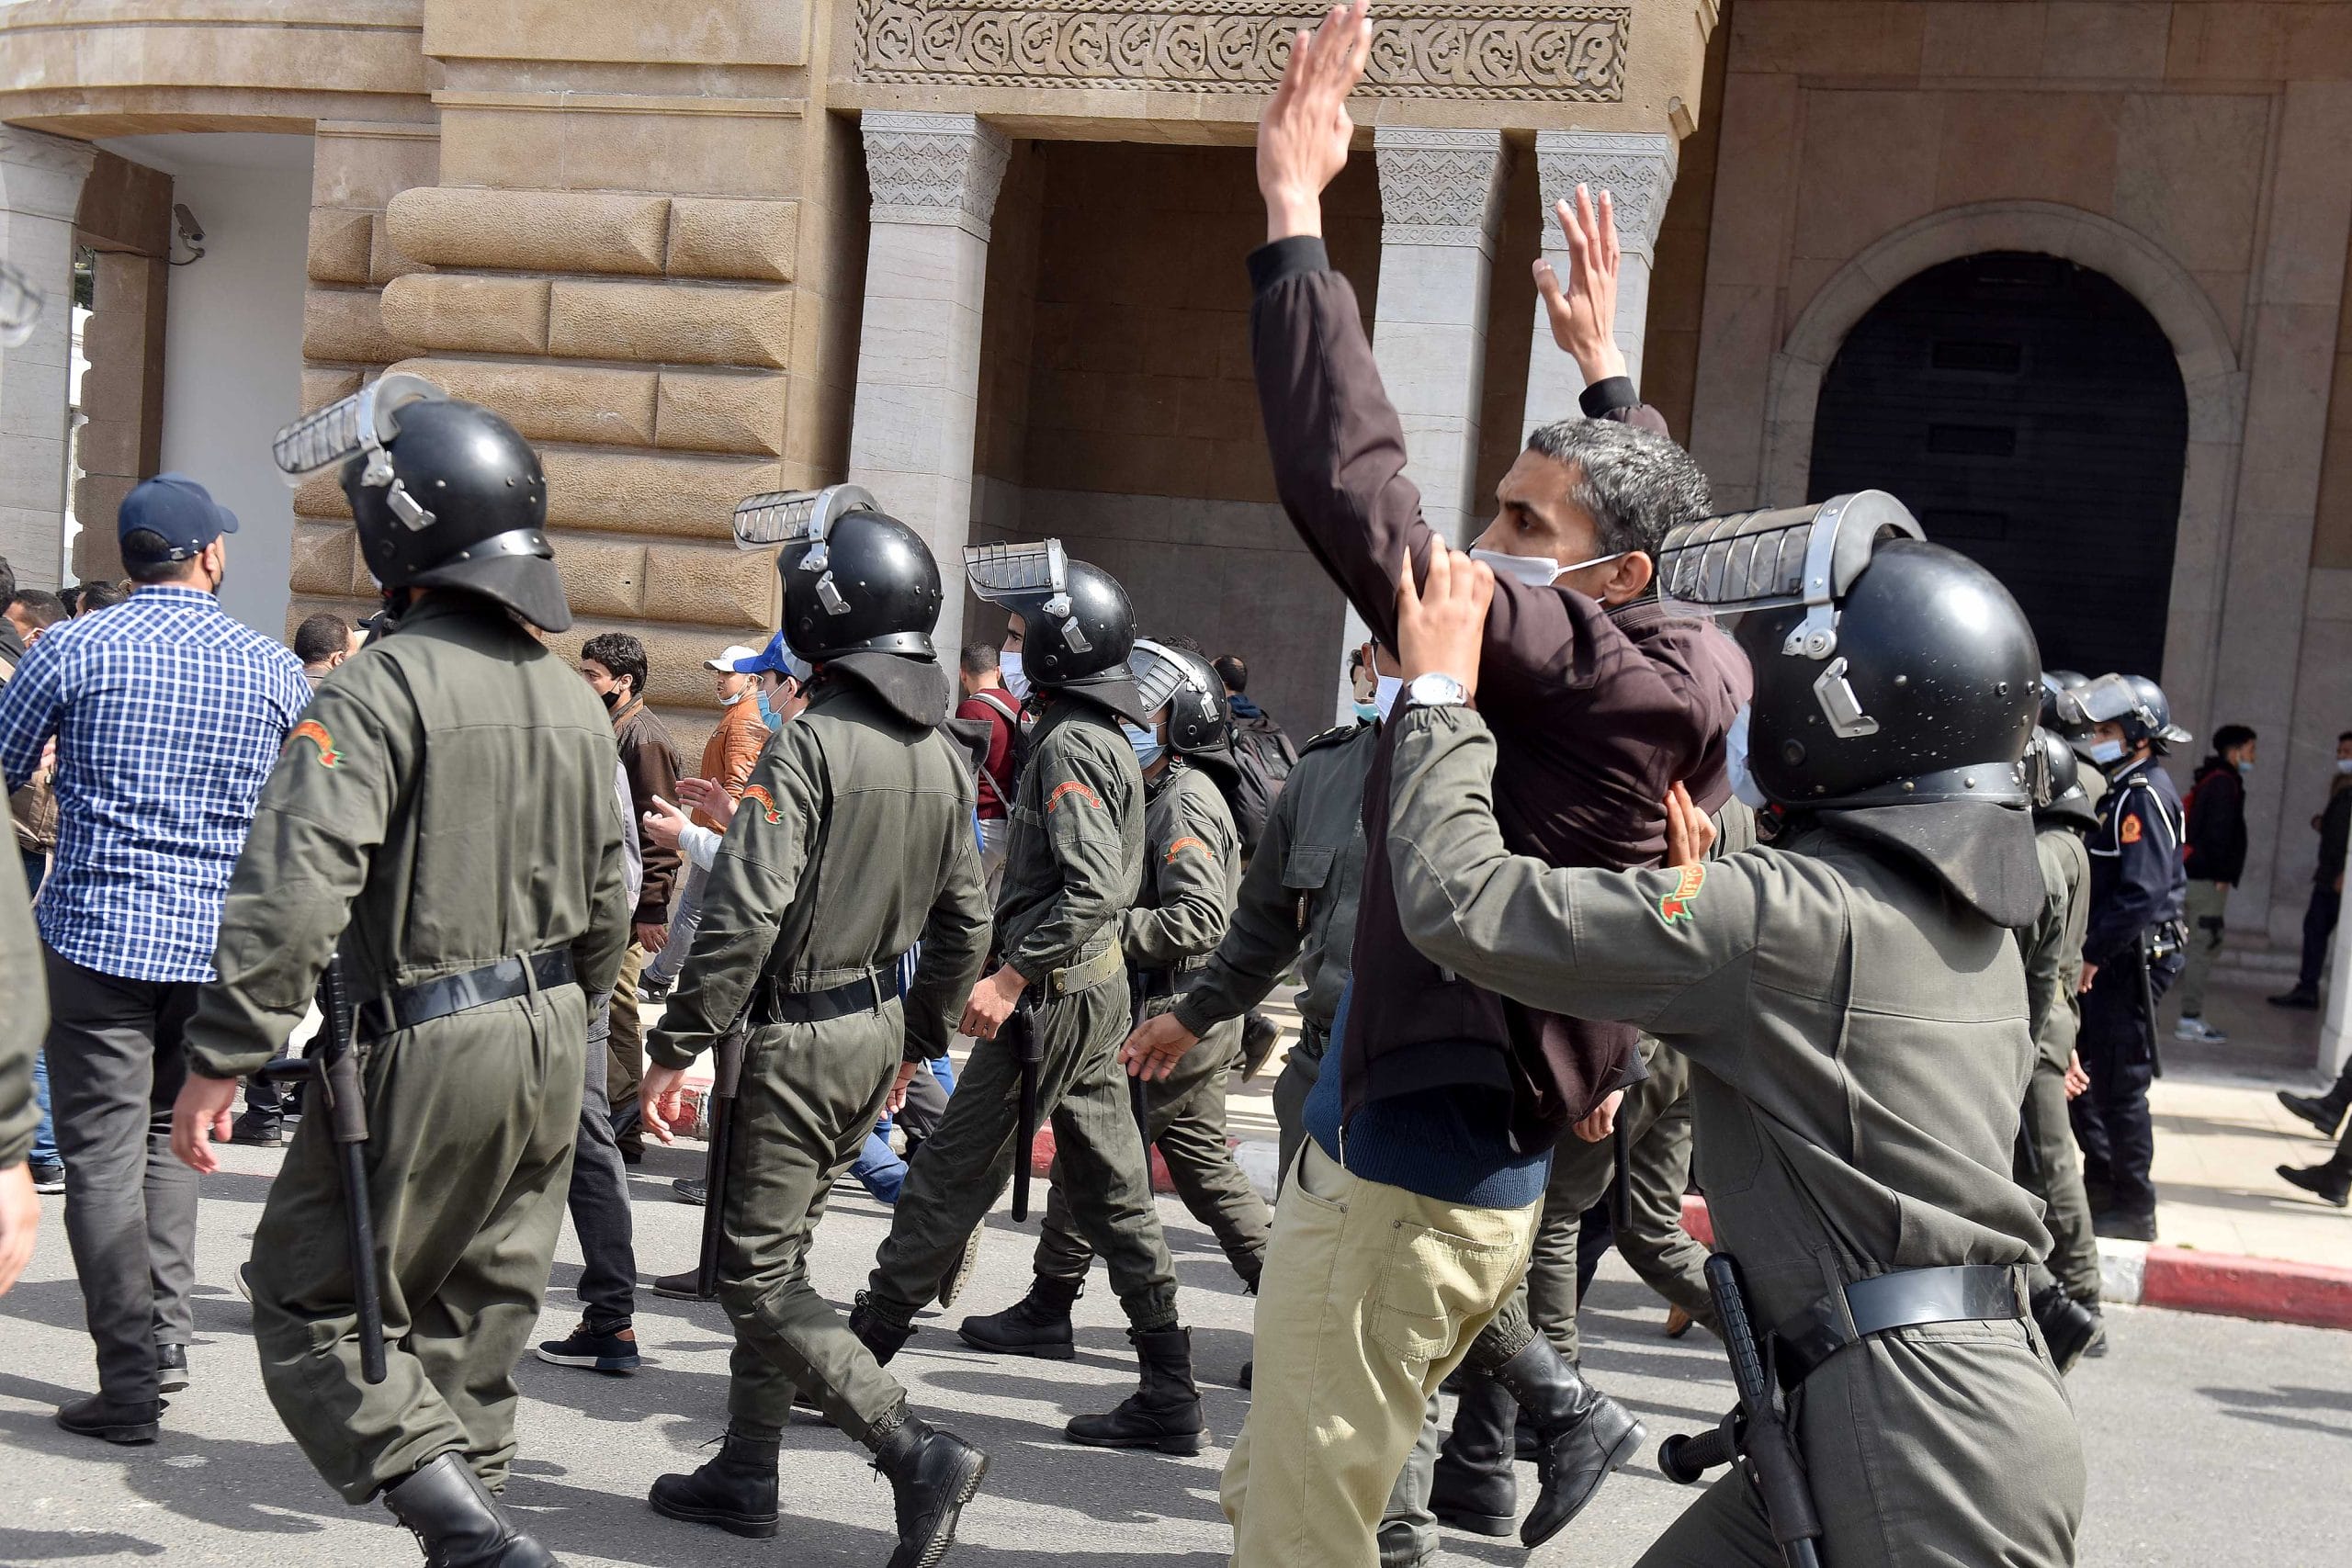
point(719, 586)
point(552, 402)
point(325, 556)
point(602, 577)
point(340, 324)
point(545, 231)
point(711, 238)
point(690, 497)
point(717, 411)
point(671, 323)
point(322, 385)
point(385, 261)
point(493, 315)
point(340, 241)
point(321, 496)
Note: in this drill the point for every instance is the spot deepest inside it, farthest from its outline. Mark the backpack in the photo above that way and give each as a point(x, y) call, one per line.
point(1016, 757)
point(1262, 758)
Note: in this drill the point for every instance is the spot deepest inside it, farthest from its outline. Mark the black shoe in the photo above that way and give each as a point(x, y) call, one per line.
point(1164, 1412)
point(458, 1522)
point(2116, 1225)
point(48, 1178)
point(932, 1474)
point(1037, 1325)
point(2324, 1111)
point(98, 1417)
point(736, 1491)
point(882, 1339)
point(690, 1189)
point(2068, 1326)
point(1248, 1372)
point(632, 1150)
point(259, 1132)
point(171, 1365)
point(686, 1286)
point(614, 1353)
point(2297, 998)
point(1583, 1435)
point(1472, 1488)
point(2329, 1183)
point(1260, 1035)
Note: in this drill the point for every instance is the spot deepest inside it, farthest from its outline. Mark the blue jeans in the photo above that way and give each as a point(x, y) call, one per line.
point(44, 1150)
point(877, 1167)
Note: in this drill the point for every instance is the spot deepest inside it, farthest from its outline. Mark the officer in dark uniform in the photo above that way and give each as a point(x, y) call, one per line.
point(445, 813)
point(854, 839)
point(2133, 950)
point(1851, 1001)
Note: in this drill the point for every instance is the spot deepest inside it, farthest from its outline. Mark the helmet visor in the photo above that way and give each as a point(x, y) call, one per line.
point(1011, 575)
point(1763, 560)
point(20, 305)
point(1159, 673)
point(791, 516)
point(366, 421)
point(2110, 700)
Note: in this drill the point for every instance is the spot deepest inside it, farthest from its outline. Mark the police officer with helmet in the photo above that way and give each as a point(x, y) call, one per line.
point(1850, 998)
point(445, 815)
point(852, 842)
point(2133, 950)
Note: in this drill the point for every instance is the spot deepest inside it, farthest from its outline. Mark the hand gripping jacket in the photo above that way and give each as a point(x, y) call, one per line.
point(445, 494)
point(855, 580)
point(1888, 671)
point(1200, 723)
point(1079, 627)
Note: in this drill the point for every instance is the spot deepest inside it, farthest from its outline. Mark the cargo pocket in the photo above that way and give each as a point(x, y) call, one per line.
point(1432, 1281)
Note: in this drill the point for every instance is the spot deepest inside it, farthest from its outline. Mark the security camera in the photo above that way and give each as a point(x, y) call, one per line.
point(184, 220)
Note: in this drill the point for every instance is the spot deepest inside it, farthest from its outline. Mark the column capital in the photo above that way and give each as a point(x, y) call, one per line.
point(1439, 187)
point(1638, 167)
point(41, 174)
point(942, 169)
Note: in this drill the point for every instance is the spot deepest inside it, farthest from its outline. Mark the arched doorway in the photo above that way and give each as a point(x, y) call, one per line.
point(2032, 413)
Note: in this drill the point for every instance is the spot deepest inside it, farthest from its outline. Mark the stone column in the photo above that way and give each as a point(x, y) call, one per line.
point(40, 187)
point(1637, 169)
point(935, 179)
point(1441, 203)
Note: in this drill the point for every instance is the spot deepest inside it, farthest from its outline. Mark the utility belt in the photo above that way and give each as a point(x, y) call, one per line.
point(2159, 942)
point(514, 976)
point(1087, 972)
point(1969, 1292)
point(773, 1002)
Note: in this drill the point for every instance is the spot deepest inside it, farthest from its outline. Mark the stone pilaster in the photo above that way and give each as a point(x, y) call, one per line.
point(41, 187)
point(935, 179)
point(1637, 169)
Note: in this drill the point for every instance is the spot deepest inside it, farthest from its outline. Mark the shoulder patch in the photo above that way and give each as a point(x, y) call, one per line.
point(1073, 787)
point(2132, 831)
point(312, 730)
point(1674, 908)
point(757, 794)
point(1179, 846)
point(1333, 736)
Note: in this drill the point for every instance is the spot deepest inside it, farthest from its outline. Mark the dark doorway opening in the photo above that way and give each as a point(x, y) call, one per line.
point(2031, 413)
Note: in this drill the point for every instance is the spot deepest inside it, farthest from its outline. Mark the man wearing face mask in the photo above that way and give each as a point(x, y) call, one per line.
point(2131, 952)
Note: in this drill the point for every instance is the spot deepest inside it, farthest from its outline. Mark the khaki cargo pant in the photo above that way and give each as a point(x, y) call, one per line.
point(1371, 1295)
point(471, 1120)
point(2208, 903)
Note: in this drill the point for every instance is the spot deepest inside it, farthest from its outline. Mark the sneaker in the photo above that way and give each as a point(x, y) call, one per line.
point(2297, 998)
point(653, 987)
point(171, 1367)
point(612, 1354)
point(48, 1178)
point(259, 1132)
point(2197, 1032)
point(690, 1189)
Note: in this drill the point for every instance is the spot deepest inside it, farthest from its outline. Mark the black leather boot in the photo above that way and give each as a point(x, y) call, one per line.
point(884, 1339)
point(1472, 1488)
point(1164, 1412)
point(2330, 1184)
point(1584, 1435)
point(458, 1522)
point(2068, 1326)
point(932, 1474)
point(1037, 1325)
point(2324, 1111)
point(736, 1491)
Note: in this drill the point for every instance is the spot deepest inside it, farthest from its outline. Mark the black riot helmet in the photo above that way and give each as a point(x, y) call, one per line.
point(2062, 707)
point(2054, 776)
point(855, 580)
point(2137, 706)
point(1888, 671)
point(444, 492)
point(1077, 625)
point(1200, 722)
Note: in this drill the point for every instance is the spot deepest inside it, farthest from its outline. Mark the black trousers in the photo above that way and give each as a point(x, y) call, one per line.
point(2117, 1045)
point(117, 1054)
point(2318, 925)
point(598, 1197)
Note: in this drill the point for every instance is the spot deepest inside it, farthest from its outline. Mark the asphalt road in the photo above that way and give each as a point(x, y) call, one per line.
point(2212, 1442)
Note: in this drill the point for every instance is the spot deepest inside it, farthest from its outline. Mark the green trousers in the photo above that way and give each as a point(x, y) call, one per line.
point(471, 1120)
point(966, 1163)
point(2049, 1166)
point(1187, 1119)
point(2208, 903)
point(809, 1097)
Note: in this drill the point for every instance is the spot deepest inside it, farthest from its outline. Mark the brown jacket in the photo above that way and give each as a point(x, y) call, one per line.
point(1596, 713)
point(649, 758)
point(732, 751)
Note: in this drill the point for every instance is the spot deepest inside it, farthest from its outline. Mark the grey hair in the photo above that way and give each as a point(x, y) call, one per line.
point(1638, 486)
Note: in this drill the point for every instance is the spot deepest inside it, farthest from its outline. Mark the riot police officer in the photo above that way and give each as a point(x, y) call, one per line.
point(1191, 876)
point(445, 811)
point(1851, 1001)
point(1074, 862)
point(854, 839)
point(2133, 950)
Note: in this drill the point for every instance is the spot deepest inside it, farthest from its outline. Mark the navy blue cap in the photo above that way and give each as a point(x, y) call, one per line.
point(776, 659)
point(182, 510)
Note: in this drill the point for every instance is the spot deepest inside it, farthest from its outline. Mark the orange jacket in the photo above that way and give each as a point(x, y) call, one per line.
point(732, 749)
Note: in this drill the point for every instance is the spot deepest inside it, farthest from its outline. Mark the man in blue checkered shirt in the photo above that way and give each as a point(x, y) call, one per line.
point(168, 717)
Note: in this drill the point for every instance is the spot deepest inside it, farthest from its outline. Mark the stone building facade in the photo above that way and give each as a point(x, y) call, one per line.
point(986, 259)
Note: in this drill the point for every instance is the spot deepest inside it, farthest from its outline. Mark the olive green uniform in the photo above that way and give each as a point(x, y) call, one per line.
point(447, 803)
point(854, 839)
point(2049, 1164)
point(1191, 875)
point(1073, 863)
point(1859, 1048)
point(24, 1014)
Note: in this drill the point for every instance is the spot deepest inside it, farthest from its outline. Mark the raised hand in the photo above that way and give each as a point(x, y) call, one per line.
point(1583, 311)
point(1303, 136)
point(1690, 833)
point(1441, 624)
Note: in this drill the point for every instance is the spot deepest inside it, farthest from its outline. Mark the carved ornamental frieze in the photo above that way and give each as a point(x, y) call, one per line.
point(1434, 48)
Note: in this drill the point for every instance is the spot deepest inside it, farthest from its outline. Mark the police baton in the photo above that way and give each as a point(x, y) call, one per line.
point(726, 1078)
point(333, 1069)
point(1020, 1033)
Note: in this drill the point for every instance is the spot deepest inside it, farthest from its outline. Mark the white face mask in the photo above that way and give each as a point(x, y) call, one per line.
point(2344, 766)
point(1537, 571)
point(730, 700)
point(1386, 689)
point(1007, 667)
point(2106, 753)
point(1743, 782)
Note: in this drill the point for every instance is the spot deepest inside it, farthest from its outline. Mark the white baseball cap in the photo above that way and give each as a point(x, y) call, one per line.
point(725, 663)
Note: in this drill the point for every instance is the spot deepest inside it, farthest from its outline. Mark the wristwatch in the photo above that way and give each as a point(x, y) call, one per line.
point(1437, 690)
